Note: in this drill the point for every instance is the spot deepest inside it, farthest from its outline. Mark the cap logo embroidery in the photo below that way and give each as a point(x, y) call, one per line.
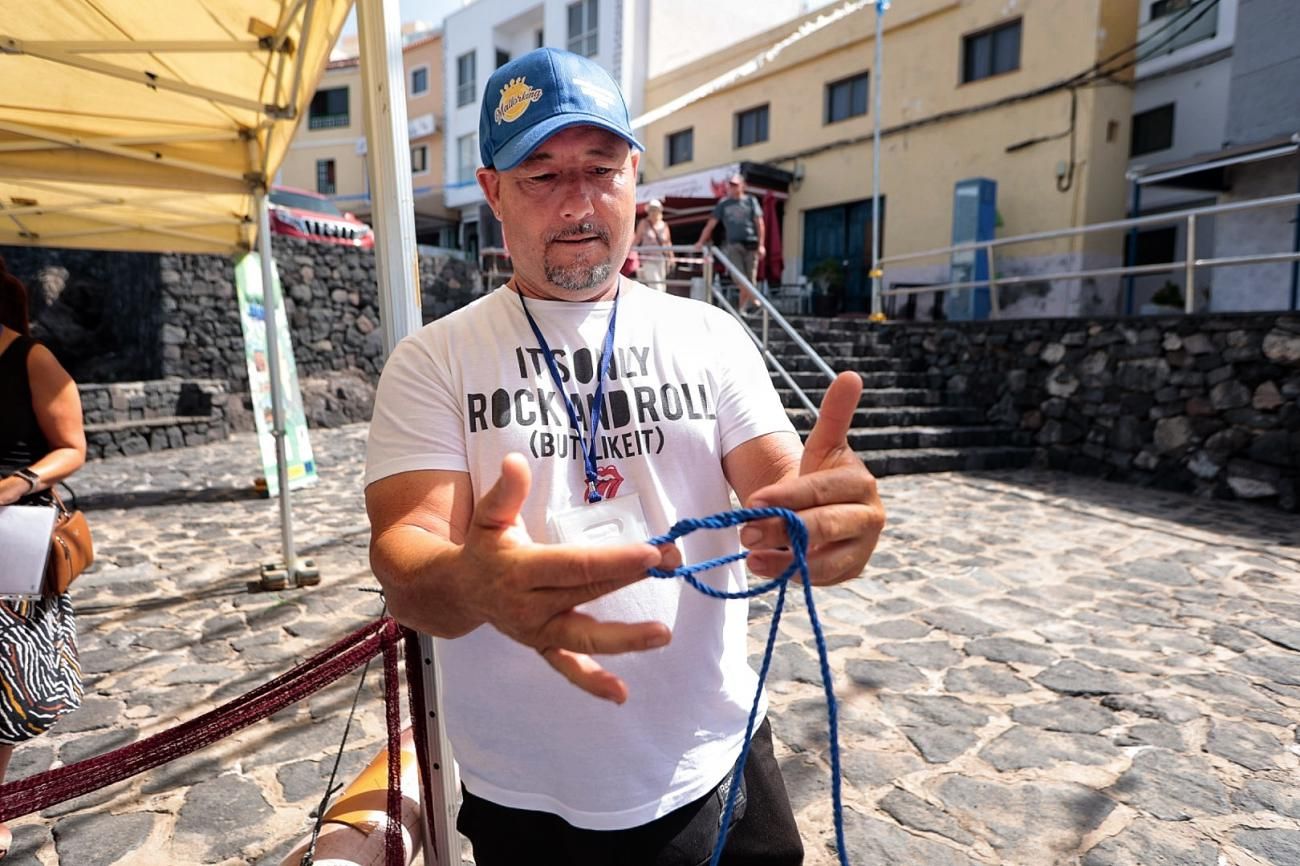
point(515, 99)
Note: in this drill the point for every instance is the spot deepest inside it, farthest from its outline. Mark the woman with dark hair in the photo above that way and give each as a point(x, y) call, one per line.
point(42, 441)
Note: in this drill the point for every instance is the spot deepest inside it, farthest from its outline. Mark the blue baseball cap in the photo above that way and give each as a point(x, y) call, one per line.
point(535, 96)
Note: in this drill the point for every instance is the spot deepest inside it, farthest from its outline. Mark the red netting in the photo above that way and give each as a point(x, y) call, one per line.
point(73, 780)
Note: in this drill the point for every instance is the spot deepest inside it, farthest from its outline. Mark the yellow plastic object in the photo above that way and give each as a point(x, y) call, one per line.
point(364, 803)
point(352, 831)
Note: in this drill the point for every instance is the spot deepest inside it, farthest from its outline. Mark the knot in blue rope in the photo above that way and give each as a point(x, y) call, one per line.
point(797, 533)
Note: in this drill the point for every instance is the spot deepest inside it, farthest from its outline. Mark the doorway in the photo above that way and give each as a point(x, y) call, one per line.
point(837, 252)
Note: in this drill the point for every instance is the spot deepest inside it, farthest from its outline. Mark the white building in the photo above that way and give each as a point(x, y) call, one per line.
point(1180, 109)
point(633, 39)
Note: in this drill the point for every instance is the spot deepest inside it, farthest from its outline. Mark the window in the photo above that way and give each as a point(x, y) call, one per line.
point(466, 157)
point(419, 80)
point(329, 109)
point(680, 146)
point(751, 126)
point(991, 52)
point(419, 159)
point(582, 28)
point(1157, 246)
point(1174, 25)
point(465, 72)
point(846, 98)
point(1153, 130)
point(325, 176)
point(503, 57)
point(1161, 8)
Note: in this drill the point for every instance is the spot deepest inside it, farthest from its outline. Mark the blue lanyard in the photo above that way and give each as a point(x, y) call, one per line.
point(606, 353)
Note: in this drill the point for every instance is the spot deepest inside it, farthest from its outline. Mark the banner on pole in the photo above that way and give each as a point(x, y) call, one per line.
point(252, 318)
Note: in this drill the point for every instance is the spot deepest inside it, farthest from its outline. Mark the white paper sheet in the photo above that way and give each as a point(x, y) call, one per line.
point(24, 545)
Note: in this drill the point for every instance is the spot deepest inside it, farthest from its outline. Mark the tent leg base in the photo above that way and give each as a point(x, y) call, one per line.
point(275, 576)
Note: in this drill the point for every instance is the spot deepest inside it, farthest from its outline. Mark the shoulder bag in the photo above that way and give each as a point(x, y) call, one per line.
point(71, 549)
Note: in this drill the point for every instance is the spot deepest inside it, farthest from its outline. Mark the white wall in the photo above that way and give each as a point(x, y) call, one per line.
point(1200, 98)
point(1261, 230)
point(683, 31)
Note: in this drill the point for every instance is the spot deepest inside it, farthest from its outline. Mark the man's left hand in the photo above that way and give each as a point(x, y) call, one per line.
point(834, 494)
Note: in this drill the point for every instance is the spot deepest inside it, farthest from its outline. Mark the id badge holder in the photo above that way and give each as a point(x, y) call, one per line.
point(610, 521)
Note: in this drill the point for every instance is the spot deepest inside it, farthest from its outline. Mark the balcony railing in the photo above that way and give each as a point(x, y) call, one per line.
point(327, 121)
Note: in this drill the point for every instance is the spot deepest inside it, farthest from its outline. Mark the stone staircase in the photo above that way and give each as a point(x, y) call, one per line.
point(906, 423)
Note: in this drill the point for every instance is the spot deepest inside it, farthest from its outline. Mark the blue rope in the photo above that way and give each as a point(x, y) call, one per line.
point(798, 534)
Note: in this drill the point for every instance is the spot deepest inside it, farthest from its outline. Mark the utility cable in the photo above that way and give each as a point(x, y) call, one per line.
point(308, 856)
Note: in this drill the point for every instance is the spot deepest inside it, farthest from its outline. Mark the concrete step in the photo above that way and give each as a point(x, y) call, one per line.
point(874, 397)
point(911, 461)
point(899, 416)
point(799, 362)
point(116, 438)
point(783, 347)
point(911, 437)
point(807, 379)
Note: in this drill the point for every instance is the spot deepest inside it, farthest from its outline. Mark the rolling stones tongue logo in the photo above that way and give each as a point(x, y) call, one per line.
point(608, 481)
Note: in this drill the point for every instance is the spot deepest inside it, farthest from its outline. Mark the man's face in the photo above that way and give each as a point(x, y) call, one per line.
point(567, 213)
point(735, 188)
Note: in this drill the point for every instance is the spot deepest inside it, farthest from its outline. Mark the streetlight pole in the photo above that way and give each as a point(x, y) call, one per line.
point(876, 74)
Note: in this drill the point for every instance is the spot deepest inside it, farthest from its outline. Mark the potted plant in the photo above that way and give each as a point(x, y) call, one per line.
point(828, 280)
point(1167, 300)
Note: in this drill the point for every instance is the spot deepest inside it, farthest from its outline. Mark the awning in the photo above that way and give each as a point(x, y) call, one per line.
point(1206, 170)
point(711, 183)
point(142, 126)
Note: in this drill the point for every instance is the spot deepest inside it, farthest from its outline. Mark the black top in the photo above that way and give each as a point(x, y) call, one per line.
point(21, 441)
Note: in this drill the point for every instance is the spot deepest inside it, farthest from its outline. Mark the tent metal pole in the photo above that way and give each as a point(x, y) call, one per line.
point(877, 73)
point(271, 306)
point(397, 266)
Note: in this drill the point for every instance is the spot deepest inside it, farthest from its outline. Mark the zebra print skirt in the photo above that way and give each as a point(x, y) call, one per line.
point(40, 674)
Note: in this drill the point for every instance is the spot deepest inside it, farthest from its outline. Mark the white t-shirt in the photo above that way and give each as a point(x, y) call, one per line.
point(686, 386)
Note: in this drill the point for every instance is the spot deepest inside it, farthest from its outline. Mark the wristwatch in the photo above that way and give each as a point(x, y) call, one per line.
point(33, 480)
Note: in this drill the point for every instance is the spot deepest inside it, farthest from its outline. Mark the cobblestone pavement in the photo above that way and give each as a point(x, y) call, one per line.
point(1038, 669)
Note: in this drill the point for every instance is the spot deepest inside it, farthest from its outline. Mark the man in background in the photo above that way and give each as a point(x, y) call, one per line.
point(742, 221)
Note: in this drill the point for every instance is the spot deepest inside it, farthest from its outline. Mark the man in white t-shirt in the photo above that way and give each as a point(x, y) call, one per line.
point(524, 447)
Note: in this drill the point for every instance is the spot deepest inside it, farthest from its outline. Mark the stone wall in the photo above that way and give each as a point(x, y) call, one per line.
point(127, 317)
point(330, 297)
point(1209, 404)
point(100, 313)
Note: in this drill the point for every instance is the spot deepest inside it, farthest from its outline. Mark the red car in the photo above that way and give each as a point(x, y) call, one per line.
point(311, 216)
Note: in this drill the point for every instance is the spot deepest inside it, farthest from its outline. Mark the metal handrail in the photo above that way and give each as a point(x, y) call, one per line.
point(767, 353)
point(769, 310)
point(1188, 264)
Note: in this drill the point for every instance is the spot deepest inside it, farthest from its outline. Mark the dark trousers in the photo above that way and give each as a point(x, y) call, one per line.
point(762, 834)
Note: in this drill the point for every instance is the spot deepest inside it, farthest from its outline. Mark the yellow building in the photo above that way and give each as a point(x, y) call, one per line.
point(328, 154)
point(971, 89)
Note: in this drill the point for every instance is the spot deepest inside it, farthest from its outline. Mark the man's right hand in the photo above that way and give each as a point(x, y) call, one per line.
point(528, 591)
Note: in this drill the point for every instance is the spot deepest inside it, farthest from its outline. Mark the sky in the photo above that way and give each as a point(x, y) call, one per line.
point(432, 11)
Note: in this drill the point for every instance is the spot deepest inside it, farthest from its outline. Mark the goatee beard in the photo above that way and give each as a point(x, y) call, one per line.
point(578, 278)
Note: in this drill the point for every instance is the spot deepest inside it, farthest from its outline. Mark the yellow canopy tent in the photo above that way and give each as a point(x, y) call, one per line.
point(131, 125)
point(157, 125)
